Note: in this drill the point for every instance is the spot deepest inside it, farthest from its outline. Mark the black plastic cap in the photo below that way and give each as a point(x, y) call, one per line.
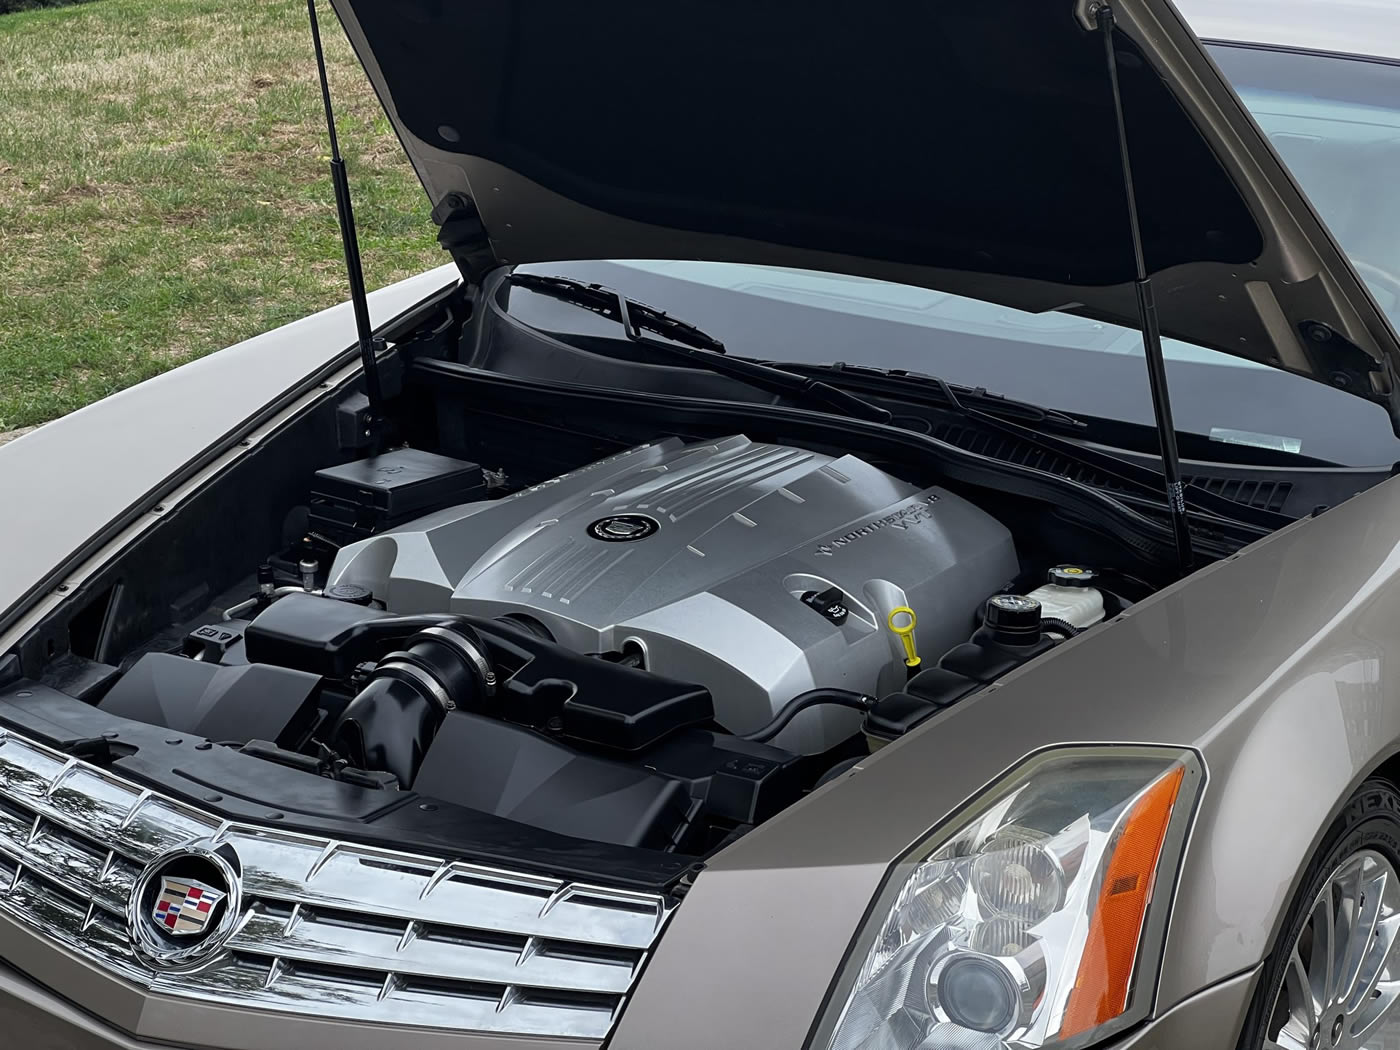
point(1013, 618)
point(350, 592)
point(1071, 576)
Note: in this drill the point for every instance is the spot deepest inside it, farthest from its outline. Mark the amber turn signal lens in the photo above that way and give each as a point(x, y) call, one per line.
point(1106, 967)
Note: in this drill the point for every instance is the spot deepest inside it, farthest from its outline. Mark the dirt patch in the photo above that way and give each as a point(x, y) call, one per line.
point(76, 193)
point(6, 436)
point(184, 216)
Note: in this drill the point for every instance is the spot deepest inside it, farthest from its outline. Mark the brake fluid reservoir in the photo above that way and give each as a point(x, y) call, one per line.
point(1070, 595)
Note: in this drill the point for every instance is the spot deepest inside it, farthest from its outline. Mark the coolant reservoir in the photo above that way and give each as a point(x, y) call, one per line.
point(1070, 596)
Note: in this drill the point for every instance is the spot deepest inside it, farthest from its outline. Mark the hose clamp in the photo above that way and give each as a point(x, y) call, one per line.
point(416, 676)
point(469, 651)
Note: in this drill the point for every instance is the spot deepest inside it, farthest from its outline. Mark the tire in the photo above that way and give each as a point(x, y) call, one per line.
point(1355, 852)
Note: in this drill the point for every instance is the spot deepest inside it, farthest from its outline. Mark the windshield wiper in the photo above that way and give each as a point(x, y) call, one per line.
point(1026, 423)
point(922, 384)
point(698, 349)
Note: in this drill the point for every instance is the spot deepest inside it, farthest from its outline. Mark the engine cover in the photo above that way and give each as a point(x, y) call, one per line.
point(699, 555)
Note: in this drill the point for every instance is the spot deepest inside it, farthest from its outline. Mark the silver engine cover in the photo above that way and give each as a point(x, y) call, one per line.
point(699, 555)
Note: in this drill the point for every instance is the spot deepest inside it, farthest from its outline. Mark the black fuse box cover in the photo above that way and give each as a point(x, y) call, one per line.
point(380, 491)
point(402, 482)
point(247, 702)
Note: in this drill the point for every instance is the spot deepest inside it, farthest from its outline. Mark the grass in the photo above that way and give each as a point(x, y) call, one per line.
point(164, 190)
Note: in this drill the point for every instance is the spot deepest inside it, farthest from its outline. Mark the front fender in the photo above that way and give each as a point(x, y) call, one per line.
point(1275, 664)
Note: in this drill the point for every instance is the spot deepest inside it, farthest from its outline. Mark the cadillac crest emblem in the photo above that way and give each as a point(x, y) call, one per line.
point(184, 907)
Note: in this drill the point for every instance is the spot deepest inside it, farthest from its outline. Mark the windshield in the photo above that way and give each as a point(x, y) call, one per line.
point(1335, 121)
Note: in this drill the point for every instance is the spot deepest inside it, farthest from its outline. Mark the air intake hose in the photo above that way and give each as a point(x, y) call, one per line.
point(391, 721)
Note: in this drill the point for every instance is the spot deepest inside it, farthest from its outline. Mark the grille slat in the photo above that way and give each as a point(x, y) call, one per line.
point(70, 863)
point(96, 806)
point(427, 892)
point(329, 928)
point(374, 949)
point(348, 995)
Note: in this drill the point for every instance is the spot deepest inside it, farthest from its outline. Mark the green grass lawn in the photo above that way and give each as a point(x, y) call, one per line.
point(164, 192)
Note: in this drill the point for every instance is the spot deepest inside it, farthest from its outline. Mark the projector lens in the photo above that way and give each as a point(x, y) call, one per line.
point(977, 993)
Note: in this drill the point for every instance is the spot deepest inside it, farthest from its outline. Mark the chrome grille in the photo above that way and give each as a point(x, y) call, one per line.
point(329, 928)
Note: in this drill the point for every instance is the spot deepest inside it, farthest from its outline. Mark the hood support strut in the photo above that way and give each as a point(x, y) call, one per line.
point(369, 346)
point(1147, 318)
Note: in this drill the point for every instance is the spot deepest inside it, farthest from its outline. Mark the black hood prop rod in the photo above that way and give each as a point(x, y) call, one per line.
point(369, 346)
point(1147, 319)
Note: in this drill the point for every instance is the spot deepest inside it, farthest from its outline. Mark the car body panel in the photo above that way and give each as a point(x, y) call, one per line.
point(1269, 663)
point(1210, 1020)
point(93, 466)
point(525, 204)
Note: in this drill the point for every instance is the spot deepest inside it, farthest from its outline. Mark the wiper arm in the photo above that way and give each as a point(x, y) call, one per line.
point(1023, 421)
point(699, 349)
point(632, 315)
point(1134, 476)
point(985, 400)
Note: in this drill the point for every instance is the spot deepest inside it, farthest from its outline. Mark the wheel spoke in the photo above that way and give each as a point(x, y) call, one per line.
point(1362, 947)
point(1323, 950)
point(1376, 1010)
point(1376, 964)
point(1347, 891)
point(1303, 1006)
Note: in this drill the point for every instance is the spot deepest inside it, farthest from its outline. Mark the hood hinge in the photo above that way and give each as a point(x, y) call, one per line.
point(462, 233)
point(1345, 364)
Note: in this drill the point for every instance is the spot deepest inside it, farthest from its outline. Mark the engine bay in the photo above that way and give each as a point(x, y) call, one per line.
point(566, 629)
point(657, 650)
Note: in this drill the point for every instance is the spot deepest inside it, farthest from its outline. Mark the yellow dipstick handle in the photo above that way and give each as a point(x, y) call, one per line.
point(902, 622)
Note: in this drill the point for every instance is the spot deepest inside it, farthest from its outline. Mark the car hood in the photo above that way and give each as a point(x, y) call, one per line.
point(970, 148)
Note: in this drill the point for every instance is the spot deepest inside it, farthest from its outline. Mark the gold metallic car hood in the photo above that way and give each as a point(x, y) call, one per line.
point(965, 147)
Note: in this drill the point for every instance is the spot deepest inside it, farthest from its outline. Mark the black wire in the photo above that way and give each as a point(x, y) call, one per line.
point(801, 702)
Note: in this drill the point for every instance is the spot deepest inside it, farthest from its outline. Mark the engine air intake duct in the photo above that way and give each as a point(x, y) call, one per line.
point(427, 665)
point(393, 720)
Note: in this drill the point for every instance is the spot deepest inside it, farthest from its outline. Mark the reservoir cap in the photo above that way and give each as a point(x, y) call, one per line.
point(1071, 576)
point(1013, 619)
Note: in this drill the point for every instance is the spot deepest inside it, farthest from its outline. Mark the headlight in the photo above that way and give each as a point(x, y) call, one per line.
point(1035, 920)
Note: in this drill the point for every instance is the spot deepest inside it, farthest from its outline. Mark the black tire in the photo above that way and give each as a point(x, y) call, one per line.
point(1369, 821)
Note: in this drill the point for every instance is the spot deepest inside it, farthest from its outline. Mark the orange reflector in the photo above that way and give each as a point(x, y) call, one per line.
point(1106, 967)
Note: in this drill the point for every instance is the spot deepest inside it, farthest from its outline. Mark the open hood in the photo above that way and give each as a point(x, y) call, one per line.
point(965, 147)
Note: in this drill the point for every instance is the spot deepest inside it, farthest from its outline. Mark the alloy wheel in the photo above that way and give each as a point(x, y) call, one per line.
point(1342, 976)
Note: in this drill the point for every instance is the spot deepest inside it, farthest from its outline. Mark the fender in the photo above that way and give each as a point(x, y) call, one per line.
point(1274, 664)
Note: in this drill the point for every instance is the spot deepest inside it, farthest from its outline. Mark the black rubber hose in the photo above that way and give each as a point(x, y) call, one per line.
point(801, 702)
point(388, 726)
point(1053, 625)
point(391, 722)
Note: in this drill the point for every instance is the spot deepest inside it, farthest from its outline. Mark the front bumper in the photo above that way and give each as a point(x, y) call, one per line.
point(36, 1019)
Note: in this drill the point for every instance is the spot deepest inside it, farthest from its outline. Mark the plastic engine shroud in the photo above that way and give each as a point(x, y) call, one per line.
point(699, 555)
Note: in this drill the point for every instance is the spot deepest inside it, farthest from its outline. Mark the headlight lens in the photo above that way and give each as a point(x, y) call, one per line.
point(1036, 919)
